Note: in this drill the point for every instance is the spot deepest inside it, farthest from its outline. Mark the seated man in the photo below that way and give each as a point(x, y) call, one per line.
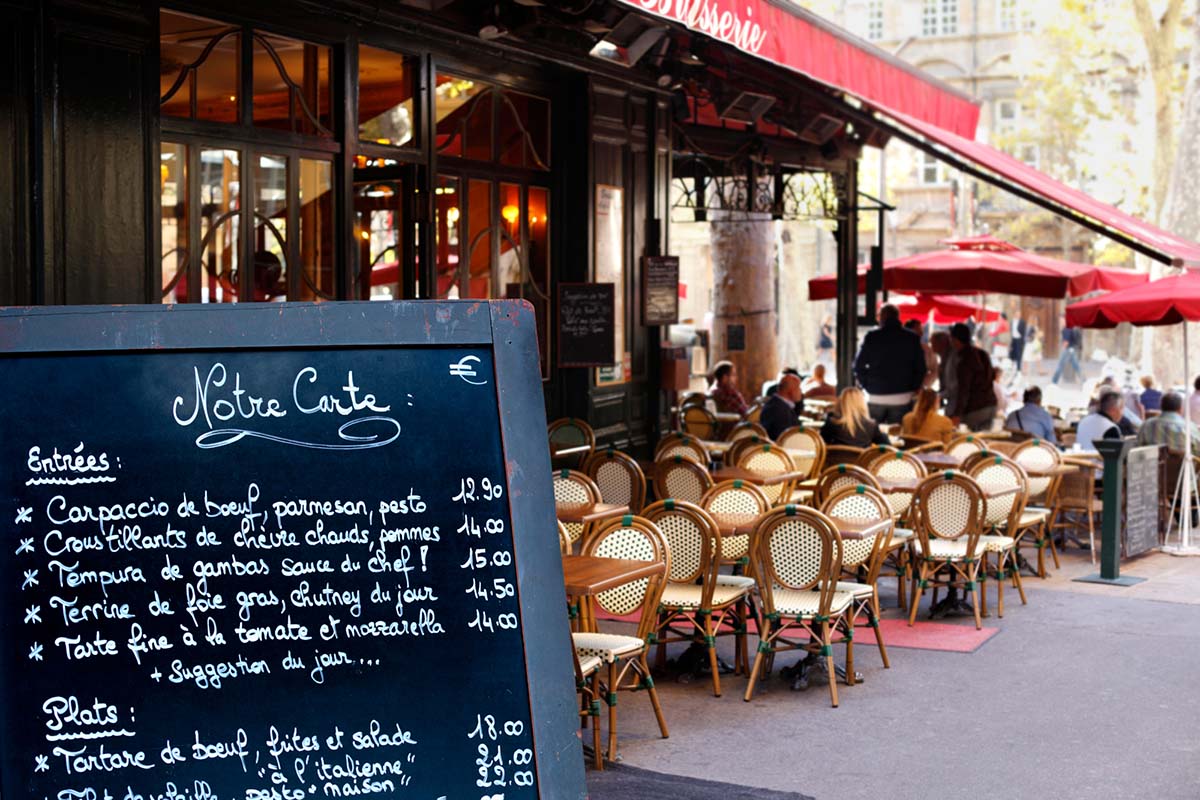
point(781, 410)
point(1032, 418)
point(815, 388)
point(1170, 428)
point(724, 391)
point(1101, 423)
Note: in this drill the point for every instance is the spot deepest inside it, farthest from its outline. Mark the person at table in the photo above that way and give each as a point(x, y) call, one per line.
point(974, 399)
point(939, 343)
point(1101, 423)
point(1151, 397)
point(1032, 418)
point(816, 388)
point(931, 359)
point(849, 423)
point(782, 409)
point(925, 421)
point(890, 366)
point(1170, 428)
point(724, 389)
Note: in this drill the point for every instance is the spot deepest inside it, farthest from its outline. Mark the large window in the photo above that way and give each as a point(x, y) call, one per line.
point(874, 19)
point(243, 218)
point(932, 171)
point(939, 17)
point(1014, 15)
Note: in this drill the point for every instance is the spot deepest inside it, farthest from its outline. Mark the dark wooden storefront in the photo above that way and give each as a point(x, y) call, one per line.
point(81, 192)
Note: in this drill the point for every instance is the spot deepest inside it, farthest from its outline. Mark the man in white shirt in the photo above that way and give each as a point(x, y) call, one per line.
point(1101, 423)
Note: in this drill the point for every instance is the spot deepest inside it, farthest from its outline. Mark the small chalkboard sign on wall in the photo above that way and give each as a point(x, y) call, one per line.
point(660, 290)
point(586, 336)
point(1141, 500)
point(257, 551)
point(735, 338)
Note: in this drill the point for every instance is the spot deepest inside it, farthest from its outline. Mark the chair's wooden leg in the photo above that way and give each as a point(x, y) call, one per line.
point(1019, 583)
point(662, 722)
point(917, 591)
point(612, 711)
point(982, 584)
point(849, 651)
point(829, 667)
point(1041, 548)
point(1053, 549)
point(975, 593)
point(764, 634)
point(711, 640)
point(873, 621)
point(597, 753)
point(1001, 560)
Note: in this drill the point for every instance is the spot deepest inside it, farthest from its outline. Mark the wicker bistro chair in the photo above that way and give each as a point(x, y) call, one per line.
point(587, 686)
point(638, 539)
point(698, 421)
point(619, 477)
point(862, 559)
point(1077, 505)
point(681, 478)
point(570, 432)
point(798, 558)
point(743, 429)
point(573, 488)
point(870, 454)
point(1001, 520)
point(949, 521)
point(898, 466)
point(898, 558)
point(682, 444)
point(753, 413)
point(766, 460)
point(1038, 456)
point(838, 477)
point(805, 437)
point(962, 446)
point(564, 540)
point(736, 450)
point(841, 454)
point(695, 605)
point(743, 499)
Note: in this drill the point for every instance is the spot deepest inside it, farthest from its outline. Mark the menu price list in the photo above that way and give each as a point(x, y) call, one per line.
point(261, 618)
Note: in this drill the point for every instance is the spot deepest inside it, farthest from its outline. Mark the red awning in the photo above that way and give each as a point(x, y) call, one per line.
point(802, 42)
point(1058, 197)
point(946, 310)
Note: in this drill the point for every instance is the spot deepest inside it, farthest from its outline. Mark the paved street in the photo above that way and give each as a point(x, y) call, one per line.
point(1086, 692)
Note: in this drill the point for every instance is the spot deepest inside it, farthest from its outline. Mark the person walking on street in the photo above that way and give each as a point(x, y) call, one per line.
point(825, 341)
point(939, 343)
point(782, 409)
point(1072, 341)
point(890, 366)
point(974, 400)
point(1016, 344)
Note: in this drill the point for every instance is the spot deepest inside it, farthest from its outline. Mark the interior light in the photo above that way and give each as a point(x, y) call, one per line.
point(511, 214)
point(366, 235)
point(452, 214)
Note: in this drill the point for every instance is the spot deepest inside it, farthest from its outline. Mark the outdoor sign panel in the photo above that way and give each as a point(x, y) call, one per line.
point(1141, 500)
point(660, 290)
point(585, 325)
point(267, 551)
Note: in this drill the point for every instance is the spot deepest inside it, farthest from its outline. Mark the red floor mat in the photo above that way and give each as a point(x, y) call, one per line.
point(923, 635)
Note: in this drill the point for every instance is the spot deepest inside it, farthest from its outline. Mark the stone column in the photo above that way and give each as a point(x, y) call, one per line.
point(743, 259)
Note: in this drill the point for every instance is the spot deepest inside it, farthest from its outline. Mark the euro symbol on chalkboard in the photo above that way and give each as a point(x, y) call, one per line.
point(464, 370)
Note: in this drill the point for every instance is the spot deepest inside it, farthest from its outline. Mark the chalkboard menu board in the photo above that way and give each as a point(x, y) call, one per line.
point(1141, 500)
point(586, 335)
point(660, 290)
point(280, 551)
point(735, 338)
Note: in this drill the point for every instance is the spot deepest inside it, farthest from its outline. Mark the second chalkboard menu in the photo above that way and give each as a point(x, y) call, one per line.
point(1141, 500)
point(586, 333)
point(660, 290)
point(280, 551)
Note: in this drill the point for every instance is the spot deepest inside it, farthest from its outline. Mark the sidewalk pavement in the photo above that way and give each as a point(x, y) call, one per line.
point(1088, 691)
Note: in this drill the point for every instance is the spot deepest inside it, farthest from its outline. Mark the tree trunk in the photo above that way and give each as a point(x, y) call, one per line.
point(743, 258)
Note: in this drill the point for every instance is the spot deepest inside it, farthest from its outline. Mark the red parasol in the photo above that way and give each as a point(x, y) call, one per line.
point(986, 265)
point(1163, 302)
point(946, 310)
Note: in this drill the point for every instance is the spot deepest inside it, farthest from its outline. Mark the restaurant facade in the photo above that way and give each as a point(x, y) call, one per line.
point(216, 152)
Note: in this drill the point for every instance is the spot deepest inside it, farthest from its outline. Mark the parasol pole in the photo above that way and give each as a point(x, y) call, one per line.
point(1187, 475)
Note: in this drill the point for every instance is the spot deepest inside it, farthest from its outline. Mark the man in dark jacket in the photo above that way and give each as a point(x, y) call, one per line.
point(782, 409)
point(890, 367)
point(975, 399)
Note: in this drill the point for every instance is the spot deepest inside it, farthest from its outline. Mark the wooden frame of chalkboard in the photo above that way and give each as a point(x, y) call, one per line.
point(504, 331)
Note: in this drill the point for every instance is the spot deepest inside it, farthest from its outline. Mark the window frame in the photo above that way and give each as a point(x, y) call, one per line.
point(939, 18)
point(875, 20)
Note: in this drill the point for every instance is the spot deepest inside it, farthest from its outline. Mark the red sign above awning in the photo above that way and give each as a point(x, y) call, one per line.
point(804, 43)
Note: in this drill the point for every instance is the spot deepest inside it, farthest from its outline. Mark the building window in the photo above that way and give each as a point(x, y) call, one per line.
point(386, 87)
point(480, 122)
point(246, 206)
point(939, 17)
point(933, 171)
point(875, 20)
point(1015, 15)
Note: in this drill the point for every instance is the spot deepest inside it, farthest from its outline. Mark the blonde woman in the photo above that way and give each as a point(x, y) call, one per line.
point(924, 421)
point(849, 423)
